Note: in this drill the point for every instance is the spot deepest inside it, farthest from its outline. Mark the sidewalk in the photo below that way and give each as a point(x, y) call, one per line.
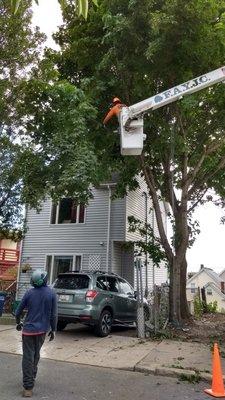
point(78, 345)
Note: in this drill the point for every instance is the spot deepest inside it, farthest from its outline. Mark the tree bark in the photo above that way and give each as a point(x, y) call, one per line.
point(185, 313)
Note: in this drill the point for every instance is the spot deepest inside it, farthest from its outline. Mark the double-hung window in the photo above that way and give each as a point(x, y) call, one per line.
point(67, 212)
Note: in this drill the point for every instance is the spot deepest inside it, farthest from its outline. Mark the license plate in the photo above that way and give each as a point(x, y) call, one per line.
point(65, 298)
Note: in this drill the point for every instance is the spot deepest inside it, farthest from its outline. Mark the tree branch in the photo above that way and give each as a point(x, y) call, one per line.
point(207, 151)
point(205, 177)
point(149, 178)
point(201, 195)
point(171, 195)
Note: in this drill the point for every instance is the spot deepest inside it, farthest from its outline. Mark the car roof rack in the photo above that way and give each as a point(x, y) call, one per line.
point(97, 271)
point(104, 272)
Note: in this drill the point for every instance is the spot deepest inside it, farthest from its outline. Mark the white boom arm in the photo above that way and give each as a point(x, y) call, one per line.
point(131, 118)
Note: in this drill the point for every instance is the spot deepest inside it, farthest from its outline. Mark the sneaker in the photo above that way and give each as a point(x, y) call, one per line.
point(27, 392)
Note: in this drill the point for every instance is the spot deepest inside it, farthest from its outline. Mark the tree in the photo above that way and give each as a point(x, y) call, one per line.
point(17, 53)
point(44, 150)
point(134, 49)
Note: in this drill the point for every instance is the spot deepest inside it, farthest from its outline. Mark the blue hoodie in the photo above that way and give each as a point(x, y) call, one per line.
point(41, 306)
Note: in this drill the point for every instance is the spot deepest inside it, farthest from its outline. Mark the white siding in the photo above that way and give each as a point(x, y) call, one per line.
point(135, 206)
point(90, 238)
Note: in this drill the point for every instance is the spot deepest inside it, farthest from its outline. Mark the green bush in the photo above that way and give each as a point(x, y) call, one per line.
point(212, 307)
point(198, 307)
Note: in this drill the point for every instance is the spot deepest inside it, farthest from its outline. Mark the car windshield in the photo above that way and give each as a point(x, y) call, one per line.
point(72, 282)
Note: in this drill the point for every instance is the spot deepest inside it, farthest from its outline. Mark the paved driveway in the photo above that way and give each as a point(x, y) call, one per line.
point(79, 345)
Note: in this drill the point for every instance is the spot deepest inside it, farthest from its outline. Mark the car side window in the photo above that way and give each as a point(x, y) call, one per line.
point(113, 285)
point(102, 283)
point(126, 288)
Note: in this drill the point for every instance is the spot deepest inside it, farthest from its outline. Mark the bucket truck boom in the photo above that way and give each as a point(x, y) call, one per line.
point(131, 119)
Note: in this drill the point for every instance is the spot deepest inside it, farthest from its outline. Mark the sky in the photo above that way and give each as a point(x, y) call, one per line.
point(209, 247)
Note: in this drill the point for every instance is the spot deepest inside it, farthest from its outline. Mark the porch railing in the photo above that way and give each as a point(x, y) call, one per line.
point(9, 256)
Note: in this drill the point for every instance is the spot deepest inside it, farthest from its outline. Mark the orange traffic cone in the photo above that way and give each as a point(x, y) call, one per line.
point(217, 378)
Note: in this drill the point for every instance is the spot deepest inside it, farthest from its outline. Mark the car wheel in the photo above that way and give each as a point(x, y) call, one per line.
point(61, 325)
point(103, 328)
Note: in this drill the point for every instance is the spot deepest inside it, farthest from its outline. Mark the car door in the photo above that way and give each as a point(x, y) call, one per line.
point(128, 300)
point(114, 294)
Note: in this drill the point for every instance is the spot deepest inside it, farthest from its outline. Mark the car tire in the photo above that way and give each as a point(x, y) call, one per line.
point(61, 325)
point(103, 327)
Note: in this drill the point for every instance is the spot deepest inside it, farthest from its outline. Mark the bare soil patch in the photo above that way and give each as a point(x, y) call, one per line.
point(208, 329)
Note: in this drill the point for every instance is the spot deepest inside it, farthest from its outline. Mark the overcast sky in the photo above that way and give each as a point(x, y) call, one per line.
point(209, 248)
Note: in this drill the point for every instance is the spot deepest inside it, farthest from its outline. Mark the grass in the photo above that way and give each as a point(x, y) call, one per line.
point(194, 378)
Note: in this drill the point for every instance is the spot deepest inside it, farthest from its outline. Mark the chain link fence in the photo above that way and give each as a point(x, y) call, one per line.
point(158, 301)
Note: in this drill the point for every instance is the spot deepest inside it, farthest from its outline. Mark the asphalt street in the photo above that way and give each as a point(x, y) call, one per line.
point(67, 381)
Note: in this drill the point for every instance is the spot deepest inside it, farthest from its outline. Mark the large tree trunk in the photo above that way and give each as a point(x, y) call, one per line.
point(185, 313)
point(175, 309)
point(178, 305)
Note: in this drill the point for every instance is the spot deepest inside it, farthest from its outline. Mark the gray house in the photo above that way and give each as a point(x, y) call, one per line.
point(67, 237)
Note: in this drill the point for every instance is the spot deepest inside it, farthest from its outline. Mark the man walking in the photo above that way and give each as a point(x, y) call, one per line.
point(40, 304)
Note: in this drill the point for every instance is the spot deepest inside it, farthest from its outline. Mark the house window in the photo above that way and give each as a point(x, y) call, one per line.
point(192, 287)
point(67, 212)
point(59, 264)
point(209, 291)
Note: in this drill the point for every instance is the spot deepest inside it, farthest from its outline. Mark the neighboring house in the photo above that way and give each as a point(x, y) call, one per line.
point(213, 284)
point(9, 255)
point(67, 237)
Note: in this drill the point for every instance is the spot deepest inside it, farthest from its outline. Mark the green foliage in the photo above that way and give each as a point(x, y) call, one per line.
point(198, 307)
point(59, 159)
point(212, 307)
point(17, 53)
point(194, 378)
point(153, 244)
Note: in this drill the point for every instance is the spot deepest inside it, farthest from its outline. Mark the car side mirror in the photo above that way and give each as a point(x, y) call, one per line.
point(135, 294)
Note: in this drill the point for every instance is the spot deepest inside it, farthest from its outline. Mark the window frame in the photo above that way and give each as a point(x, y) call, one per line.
point(57, 215)
point(211, 291)
point(193, 288)
point(53, 255)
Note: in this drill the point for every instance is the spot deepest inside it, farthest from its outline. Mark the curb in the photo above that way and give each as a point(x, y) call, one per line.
point(174, 373)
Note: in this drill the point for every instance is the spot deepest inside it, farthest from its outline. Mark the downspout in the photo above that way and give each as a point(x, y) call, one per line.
point(108, 229)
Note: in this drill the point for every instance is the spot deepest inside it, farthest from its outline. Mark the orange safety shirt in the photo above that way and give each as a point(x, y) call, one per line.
point(115, 110)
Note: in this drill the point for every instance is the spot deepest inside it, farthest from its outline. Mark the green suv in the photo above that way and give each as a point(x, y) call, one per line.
point(97, 299)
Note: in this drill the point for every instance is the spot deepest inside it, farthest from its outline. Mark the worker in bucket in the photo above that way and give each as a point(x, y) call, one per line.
point(40, 304)
point(115, 110)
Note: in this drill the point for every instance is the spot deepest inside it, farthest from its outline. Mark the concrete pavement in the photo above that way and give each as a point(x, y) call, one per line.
point(78, 345)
